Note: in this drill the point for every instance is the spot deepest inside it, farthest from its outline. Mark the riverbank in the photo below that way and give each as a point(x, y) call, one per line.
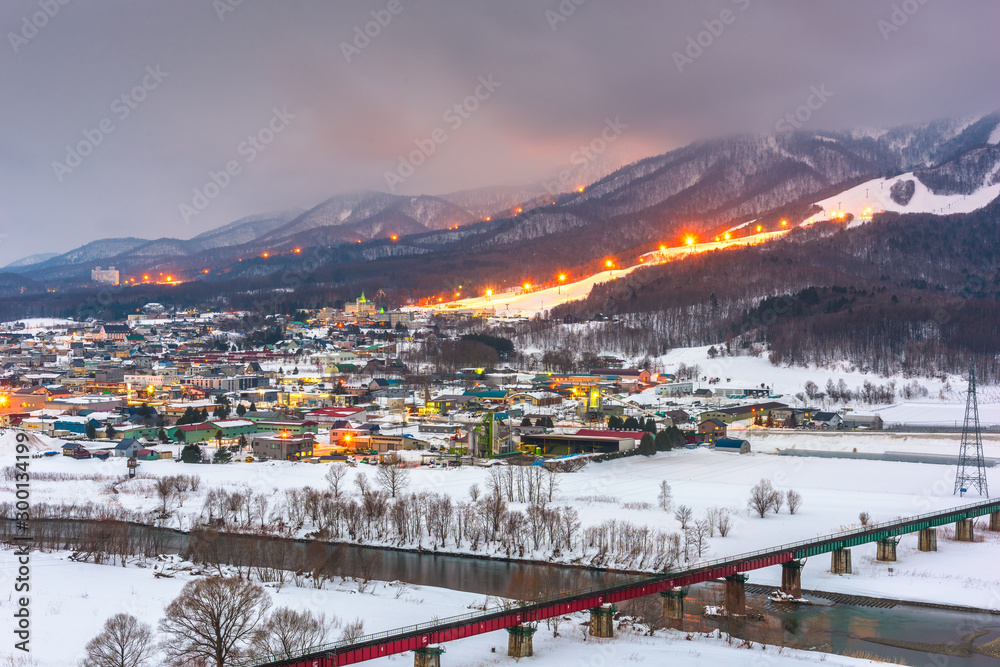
point(72, 600)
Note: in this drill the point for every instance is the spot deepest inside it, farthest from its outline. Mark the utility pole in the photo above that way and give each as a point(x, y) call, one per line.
point(971, 467)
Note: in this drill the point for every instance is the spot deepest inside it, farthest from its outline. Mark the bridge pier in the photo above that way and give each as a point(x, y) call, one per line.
point(791, 578)
point(673, 607)
point(427, 656)
point(964, 531)
point(886, 550)
point(519, 643)
point(602, 621)
point(995, 521)
point(927, 539)
point(840, 561)
point(735, 600)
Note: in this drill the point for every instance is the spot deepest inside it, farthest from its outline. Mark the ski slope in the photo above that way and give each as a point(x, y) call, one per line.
point(529, 302)
point(866, 199)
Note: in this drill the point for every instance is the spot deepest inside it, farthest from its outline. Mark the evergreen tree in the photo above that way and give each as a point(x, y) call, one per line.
point(162, 435)
point(191, 454)
point(631, 424)
point(109, 432)
point(203, 417)
point(649, 426)
point(91, 431)
point(526, 421)
point(647, 446)
point(240, 410)
point(614, 422)
point(253, 407)
point(664, 443)
point(222, 455)
point(548, 423)
point(540, 422)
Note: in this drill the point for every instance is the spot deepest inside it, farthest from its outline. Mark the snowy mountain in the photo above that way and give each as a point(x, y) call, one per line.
point(941, 166)
point(31, 259)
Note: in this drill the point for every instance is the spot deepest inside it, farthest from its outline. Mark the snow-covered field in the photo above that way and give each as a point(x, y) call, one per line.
point(70, 602)
point(834, 492)
point(874, 196)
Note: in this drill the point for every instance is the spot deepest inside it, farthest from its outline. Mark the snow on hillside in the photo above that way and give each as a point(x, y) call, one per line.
point(873, 196)
point(528, 303)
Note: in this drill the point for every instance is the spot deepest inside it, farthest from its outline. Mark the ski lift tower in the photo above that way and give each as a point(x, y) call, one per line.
point(971, 467)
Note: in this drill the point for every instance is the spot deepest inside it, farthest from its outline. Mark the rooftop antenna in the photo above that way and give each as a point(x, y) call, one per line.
point(971, 467)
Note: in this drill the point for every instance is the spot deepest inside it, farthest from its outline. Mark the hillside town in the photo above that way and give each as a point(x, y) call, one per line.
point(332, 385)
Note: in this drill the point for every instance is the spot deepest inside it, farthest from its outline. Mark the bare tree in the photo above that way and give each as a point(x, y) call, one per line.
point(683, 514)
point(761, 497)
point(474, 492)
point(353, 631)
point(335, 477)
point(723, 521)
point(212, 620)
point(777, 501)
point(124, 642)
point(665, 497)
point(794, 501)
point(392, 477)
point(165, 491)
point(288, 633)
point(864, 518)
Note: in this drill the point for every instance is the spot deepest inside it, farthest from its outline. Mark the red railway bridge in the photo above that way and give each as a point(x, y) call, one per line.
point(517, 619)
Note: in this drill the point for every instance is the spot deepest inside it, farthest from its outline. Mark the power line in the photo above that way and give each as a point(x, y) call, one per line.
point(971, 467)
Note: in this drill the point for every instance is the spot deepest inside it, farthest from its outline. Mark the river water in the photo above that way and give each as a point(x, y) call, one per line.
point(914, 634)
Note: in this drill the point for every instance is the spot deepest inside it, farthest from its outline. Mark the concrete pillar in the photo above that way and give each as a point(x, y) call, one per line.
point(791, 578)
point(673, 607)
point(735, 600)
point(963, 530)
point(840, 561)
point(995, 521)
point(886, 550)
point(519, 644)
point(602, 621)
point(927, 539)
point(427, 656)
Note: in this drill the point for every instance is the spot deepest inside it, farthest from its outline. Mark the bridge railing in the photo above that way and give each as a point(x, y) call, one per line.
point(460, 619)
point(871, 532)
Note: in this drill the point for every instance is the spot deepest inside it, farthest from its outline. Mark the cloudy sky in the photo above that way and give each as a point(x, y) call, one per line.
point(116, 112)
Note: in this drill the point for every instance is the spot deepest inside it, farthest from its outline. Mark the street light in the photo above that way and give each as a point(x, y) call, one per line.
point(562, 279)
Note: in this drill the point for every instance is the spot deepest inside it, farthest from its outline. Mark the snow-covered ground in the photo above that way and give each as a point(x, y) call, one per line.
point(70, 602)
point(873, 196)
point(834, 492)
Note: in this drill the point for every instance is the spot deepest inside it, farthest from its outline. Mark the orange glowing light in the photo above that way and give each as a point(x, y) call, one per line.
point(527, 286)
point(562, 277)
point(266, 254)
point(394, 237)
point(170, 279)
point(662, 248)
point(489, 292)
point(205, 271)
point(758, 228)
point(784, 223)
point(487, 218)
point(580, 189)
point(297, 250)
point(609, 263)
point(518, 210)
point(690, 240)
point(145, 277)
point(727, 235)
